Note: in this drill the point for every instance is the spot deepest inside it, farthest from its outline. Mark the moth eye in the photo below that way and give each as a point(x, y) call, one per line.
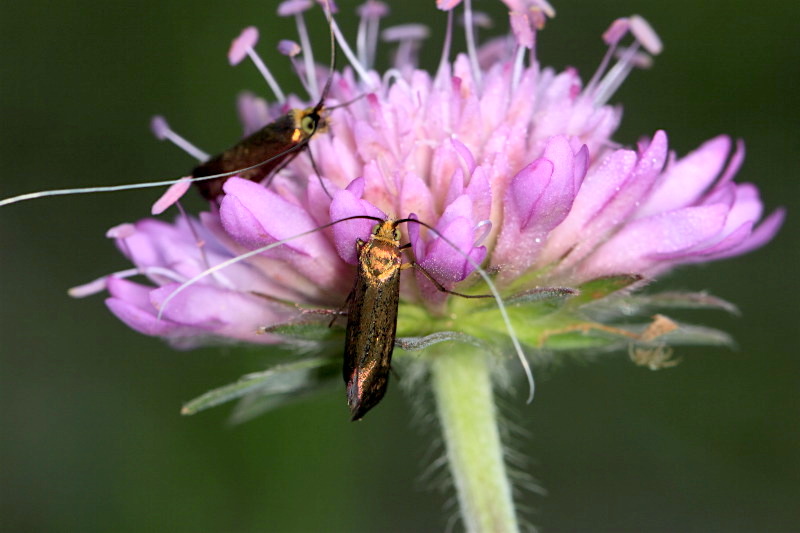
point(375, 228)
point(309, 123)
point(396, 234)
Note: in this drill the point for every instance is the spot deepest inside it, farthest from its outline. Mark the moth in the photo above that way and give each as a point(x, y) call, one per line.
point(269, 149)
point(372, 315)
point(265, 151)
point(372, 318)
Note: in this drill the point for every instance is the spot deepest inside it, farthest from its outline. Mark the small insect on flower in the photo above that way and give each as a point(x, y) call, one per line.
point(263, 153)
point(372, 315)
point(266, 151)
point(372, 318)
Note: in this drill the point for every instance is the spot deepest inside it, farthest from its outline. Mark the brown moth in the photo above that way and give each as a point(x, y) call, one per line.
point(263, 152)
point(266, 151)
point(372, 318)
point(372, 315)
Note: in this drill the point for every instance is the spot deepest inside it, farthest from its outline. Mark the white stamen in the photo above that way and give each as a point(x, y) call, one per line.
point(160, 128)
point(646, 35)
point(615, 32)
point(262, 68)
point(408, 35)
point(448, 38)
point(101, 284)
point(308, 55)
point(641, 60)
point(472, 50)
point(480, 19)
point(292, 50)
point(405, 32)
point(372, 38)
point(348, 52)
point(361, 40)
point(612, 81)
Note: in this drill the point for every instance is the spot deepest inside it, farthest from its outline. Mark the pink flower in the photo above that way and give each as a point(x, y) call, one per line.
point(513, 165)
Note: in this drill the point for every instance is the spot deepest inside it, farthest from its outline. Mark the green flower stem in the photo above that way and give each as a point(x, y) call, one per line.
point(463, 390)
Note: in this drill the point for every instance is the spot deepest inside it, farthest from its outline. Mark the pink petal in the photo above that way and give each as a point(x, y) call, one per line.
point(347, 203)
point(684, 182)
point(527, 188)
point(761, 236)
point(138, 319)
point(255, 216)
point(632, 250)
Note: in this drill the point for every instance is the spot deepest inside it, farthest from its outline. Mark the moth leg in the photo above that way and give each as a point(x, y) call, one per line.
point(341, 310)
point(316, 170)
point(438, 285)
point(280, 167)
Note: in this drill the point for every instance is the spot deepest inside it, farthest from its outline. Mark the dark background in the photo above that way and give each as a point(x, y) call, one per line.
point(91, 435)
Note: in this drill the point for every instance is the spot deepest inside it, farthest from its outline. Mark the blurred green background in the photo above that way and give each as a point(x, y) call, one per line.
point(91, 435)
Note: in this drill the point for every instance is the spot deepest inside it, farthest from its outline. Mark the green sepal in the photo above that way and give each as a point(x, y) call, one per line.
point(599, 288)
point(280, 384)
point(305, 330)
point(415, 344)
point(640, 303)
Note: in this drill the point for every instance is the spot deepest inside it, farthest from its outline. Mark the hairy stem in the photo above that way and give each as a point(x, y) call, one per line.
point(463, 390)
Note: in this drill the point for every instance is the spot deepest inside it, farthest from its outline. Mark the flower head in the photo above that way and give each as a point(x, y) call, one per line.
point(514, 168)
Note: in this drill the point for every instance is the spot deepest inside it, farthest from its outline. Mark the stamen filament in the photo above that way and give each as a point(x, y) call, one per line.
point(519, 67)
point(273, 84)
point(472, 49)
point(444, 62)
point(162, 130)
point(100, 284)
point(613, 80)
point(308, 56)
point(348, 52)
